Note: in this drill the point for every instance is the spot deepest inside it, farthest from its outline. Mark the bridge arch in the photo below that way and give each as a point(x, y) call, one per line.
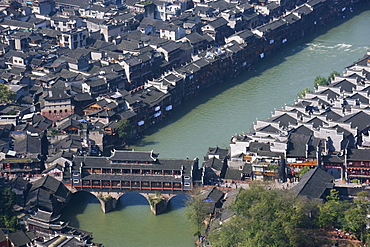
point(179, 201)
point(158, 200)
point(133, 198)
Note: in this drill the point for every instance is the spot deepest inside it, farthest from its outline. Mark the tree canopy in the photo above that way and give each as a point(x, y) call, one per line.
point(320, 81)
point(332, 75)
point(303, 92)
point(356, 217)
point(196, 212)
point(6, 95)
point(7, 217)
point(303, 171)
point(266, 217)
point(332, 211)
point(123, 128)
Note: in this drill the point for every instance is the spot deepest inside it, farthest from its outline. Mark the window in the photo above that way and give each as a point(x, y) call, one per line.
point(76, 180)
point(187, 184)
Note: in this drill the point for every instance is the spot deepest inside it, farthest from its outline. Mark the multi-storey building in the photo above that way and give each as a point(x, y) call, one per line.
point(56, 104)
point(133, 170)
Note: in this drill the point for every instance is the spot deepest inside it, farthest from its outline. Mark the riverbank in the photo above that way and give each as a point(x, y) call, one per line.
point(241, 53)
point(228, 108)
point(200, 127)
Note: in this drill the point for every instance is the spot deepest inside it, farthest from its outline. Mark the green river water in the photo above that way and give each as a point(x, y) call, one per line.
point(210, 120)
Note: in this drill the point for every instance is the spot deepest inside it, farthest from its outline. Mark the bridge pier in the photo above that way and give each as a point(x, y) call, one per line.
point(158, 202)
point(108, 200)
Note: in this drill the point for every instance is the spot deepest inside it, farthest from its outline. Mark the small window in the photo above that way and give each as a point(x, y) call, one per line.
point(187, 177)
point(76, 180)
point(187, 184)
point(60, 111)
point(55, 111)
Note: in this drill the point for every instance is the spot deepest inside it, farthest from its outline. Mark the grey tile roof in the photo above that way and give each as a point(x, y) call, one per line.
point(344, 85)
point(268, 129)
point(82, 97)
point(360, 98)
point(195, 37)
point(30, 144)
point(332, 159)
point(2, 236)
point(96, 83)
point(55, 93)
point(15, 23)
point(297, 145)
point(132, 156)
point(218, 23)
point(342, 130)
point(20, 184)
point(358, 155)
point(46, 182)
point(215, 195)
point(19, 238)
point(222, 152)
point(316, 122)
point(70, 142)
point(275, 25)
point(314, 184)
point(360, 120)
point(214, 163)
point(331, 115)
point(303, 10)
point(82, 3)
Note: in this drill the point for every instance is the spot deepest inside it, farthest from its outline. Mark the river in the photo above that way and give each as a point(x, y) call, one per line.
point(211, 119)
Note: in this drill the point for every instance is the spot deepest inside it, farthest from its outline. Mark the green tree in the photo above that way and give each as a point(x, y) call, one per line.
point(229, 234)
point(196, 212)
point(356, 218)
point(7, 201)
point(320, 81)
point(303, 92)
point(303, 171)
point(332, 211)
point(332, 75)
point(6, 96)
point(123, 128)
point(266, 217)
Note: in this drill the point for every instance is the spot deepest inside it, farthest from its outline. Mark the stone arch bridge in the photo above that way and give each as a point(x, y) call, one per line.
point(158, 200)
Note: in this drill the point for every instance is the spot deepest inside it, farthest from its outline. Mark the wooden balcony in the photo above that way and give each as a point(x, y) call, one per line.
point(303, 163)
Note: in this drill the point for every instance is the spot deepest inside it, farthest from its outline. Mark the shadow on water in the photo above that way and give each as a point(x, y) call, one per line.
point(131, 199)
point(135, 199)
point(175, 203)
point(77, 205)
point(178, 201)
point(259, 67)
